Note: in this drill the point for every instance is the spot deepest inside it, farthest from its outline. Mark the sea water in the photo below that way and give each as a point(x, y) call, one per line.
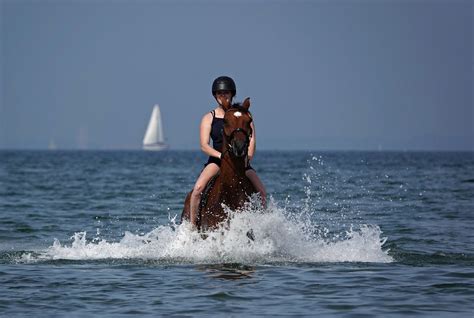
point(344, 233)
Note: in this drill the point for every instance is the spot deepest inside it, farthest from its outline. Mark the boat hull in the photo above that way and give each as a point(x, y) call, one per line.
point(155, 147)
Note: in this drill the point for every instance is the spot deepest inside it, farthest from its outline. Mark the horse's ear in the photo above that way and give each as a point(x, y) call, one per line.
point(246, 103)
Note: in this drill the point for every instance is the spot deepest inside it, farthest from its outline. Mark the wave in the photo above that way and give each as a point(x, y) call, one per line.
point(279, 236)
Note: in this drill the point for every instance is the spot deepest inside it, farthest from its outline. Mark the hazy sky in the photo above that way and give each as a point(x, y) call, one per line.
point(321, 74)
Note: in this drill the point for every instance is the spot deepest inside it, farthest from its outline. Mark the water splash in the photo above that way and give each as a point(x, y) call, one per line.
point(279, 237)
point(313, 229)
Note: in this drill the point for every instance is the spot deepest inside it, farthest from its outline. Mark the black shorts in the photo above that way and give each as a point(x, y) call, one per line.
point(217, 161)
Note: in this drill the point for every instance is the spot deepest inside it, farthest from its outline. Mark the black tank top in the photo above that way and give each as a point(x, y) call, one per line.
point(216, 131)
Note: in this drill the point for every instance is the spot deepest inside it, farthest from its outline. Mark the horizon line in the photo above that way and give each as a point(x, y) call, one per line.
point(265, 149)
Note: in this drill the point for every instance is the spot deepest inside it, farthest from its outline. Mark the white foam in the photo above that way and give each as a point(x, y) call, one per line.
point(279, 237)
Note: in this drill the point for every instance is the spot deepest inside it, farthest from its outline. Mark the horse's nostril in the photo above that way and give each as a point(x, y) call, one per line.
point(239, 147)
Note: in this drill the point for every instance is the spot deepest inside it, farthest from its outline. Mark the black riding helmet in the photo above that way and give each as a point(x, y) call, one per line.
point(224, 83)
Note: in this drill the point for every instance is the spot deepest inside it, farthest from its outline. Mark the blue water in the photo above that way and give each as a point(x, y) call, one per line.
point(345, 234)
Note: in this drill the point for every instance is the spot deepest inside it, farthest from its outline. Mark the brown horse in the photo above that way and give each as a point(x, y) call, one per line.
point(231, 186)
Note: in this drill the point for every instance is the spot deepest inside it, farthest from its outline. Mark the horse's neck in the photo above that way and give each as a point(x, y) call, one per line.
point(232, 169)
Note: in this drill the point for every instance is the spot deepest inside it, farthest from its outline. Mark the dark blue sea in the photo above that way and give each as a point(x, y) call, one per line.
point(350, 234)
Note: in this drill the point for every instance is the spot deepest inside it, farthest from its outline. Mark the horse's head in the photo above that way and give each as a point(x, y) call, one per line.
point(237, 129)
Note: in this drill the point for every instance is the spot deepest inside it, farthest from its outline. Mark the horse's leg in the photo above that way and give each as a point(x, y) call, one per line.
point(250, 235)
point(186, 214)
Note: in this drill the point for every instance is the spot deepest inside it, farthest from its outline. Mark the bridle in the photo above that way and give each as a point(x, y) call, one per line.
point(248, 134)
point(229, 138)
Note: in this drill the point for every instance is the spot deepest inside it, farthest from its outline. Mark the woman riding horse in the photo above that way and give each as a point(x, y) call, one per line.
point(212, 124)
point(231, 187)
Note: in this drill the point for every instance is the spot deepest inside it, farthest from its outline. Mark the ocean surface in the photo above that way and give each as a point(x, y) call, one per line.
point(351, 234)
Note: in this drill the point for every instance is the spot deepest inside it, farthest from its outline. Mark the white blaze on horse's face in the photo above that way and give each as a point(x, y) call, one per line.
point(237, 114)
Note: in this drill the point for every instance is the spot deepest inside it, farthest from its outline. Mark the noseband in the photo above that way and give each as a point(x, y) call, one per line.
point(229, 139)
point(247, 134)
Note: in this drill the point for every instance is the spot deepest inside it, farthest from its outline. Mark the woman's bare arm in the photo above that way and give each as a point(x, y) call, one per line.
point(205, 132)
point(253, 143)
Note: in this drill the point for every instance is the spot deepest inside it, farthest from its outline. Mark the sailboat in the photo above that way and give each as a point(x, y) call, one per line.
point(154, 138)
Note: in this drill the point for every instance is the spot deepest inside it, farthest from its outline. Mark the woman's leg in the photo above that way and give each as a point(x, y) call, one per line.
point(207, 173)
point(252, 175)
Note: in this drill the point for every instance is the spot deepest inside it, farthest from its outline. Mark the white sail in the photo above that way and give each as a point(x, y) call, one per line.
point(154, 138)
